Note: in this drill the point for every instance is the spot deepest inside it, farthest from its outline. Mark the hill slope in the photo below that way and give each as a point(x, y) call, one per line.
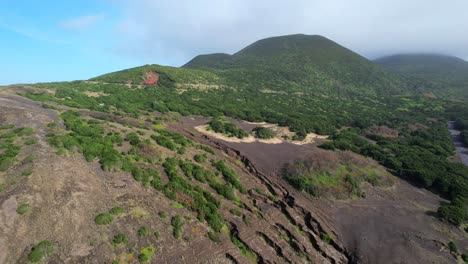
point(309, 60)
point(440, 74)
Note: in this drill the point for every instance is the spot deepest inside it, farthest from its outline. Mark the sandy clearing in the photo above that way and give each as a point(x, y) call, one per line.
point(250, 139)
point(280, 132)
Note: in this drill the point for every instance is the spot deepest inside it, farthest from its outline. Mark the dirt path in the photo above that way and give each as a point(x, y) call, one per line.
point(462, 150)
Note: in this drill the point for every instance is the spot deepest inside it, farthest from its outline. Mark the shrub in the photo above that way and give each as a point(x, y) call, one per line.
point(200, 158)
point(133, 139)
point(327, 238)
point(228, 128)
point(43, 249)
point(177, 224)
point(263, 133)
point(27, 172)
point(52, 125)
point(452, 247)
point(31, 141)
point(235, 211)
point(464, 258)
point(23, 208)
point(163, 214)
point(146, 254)
point(23, 131)
point(156, 234)
point(143, 231)
point(116, 210)
point(103, 219)
point(212, 235)
point(120, 239)
point(6, 163)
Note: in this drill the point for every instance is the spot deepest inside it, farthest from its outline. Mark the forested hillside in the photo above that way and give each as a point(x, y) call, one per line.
point(444, 76)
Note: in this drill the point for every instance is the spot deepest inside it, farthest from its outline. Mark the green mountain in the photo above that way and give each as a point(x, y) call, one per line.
point(445, 76)
point(307, 60)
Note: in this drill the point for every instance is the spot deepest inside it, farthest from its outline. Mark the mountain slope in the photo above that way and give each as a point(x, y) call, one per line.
point(440, 74)
point(309, 60)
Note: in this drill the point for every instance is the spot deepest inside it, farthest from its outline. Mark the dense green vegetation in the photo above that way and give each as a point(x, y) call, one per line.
point(263, 132)
point(42, 249)
point(90, 140)
point(444, 76)
point(228, 128)
point(295, 86)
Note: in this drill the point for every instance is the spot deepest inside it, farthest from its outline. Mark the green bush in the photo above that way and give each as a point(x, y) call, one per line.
point(23, 208)
point(103, 219)
point(143, 231)
point(263, 133)
point(327, 238)
point(163, 214)
point(177, 224)
point(116, 210)
point(200, 158)
point(31, 141)
point(146, 254)
point(6, 163)
point(120, 239)
point(453, 247)
point(213, 237)
point(228, 128)
point(43, 249)
point(236, 212)
point(27, 172)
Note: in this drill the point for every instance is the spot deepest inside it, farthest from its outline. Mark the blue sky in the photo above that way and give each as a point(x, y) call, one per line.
point(69, 40)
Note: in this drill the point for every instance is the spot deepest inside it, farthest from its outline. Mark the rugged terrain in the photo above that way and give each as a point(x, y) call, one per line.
point(126, 168)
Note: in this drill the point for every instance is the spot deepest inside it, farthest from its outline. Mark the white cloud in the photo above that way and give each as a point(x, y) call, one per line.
point(82, 22)
point(168, 31)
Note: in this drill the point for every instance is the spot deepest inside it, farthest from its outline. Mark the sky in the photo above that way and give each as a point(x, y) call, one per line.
point(49, 40)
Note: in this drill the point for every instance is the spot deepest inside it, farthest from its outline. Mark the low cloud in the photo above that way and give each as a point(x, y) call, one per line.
point(172, 32)
point(81, 23)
